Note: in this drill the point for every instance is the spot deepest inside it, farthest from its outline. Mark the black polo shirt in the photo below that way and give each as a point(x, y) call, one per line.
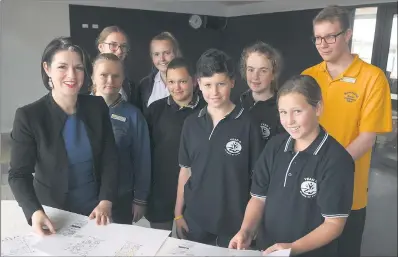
point(221, 161)
point(165, 120)
point(303, 188)
point(264, 113)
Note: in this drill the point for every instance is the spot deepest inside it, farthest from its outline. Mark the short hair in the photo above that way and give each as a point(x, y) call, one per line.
point(270, 53)
point(109, 30)
point(304, 85)
point(180, 62)
point(334, 13)
point(105, 56)
point(165, 35)
point(215, 61)
point(64, 44)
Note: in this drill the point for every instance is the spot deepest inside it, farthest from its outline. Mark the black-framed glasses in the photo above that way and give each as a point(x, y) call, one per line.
point(329, 39)
point(115, 46)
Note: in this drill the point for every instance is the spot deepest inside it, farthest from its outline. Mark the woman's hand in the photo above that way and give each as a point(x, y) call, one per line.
point(278, 247)
point(102, 213)
point(41, 220)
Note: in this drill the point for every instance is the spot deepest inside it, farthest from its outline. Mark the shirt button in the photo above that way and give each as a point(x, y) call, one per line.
point(290, 174)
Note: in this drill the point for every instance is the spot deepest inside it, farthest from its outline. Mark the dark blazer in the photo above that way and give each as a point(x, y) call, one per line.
point(144, 89)
point(38, 147)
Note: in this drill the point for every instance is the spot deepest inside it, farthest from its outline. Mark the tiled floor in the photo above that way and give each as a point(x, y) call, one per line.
point(380, 236)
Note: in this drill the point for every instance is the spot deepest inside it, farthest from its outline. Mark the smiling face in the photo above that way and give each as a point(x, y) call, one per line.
point(179, 84)
point(115, 43)
point(331, 52)
point(66, 72)
point(162, 54)
point(107, 77)
point(298, 117)
point(259, 72)
point(216, 89)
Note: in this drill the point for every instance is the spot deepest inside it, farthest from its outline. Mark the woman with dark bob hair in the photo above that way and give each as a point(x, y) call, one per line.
point(66, 139)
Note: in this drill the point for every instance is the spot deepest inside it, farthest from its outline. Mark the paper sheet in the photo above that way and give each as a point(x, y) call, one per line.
point(110, 240)
point(188, 248)
point(20, 246)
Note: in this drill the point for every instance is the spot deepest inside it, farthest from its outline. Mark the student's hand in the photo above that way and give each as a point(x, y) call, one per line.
point(102, 213)
point(277, 247)
point(181, 228)
point(241, 240)
point(138, 212)
point(40, 219)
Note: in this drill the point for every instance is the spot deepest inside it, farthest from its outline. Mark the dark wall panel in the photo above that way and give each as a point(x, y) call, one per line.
point(141, 26)
point(290, 32)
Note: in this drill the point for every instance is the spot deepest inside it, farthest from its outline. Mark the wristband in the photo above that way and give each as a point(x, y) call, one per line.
point(178, 217)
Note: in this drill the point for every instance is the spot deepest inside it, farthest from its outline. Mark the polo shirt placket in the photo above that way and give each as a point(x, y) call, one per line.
point(302, 188)
point(221, 159)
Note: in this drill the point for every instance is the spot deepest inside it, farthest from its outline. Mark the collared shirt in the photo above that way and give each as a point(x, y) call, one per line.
point(221, 159)
point(132, 139)
point(165, 120)
point(159, 90)
point(264, 113)
point(356, 101)
point(302, 188)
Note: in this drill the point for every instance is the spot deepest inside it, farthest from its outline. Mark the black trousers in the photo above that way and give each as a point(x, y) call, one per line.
point(197, 234)
point(350, 241)
point(122, 209)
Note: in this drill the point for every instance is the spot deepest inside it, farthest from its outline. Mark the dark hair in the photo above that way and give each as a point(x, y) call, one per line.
point(180, 62)
point(109, 30)
point(64, 44)
point(270, 53)
point(334, 13)
point(105, 56)
point(169, 37)
point(304, 85)
point(214, 61)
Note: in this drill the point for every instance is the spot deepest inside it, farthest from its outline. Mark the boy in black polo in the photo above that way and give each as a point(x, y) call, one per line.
point(261, 65)
point(165, 119)
point(218, 149)
point(303, 181)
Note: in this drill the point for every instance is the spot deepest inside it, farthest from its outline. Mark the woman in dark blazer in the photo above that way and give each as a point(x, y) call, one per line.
point(66, 139)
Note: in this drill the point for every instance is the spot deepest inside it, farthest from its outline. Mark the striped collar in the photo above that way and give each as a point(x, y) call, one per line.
point(235, 113)
point(194, 102)
point(314, 147)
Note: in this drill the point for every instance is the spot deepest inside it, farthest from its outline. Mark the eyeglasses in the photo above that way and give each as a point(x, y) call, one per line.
point(330, 39)
point(115, 46)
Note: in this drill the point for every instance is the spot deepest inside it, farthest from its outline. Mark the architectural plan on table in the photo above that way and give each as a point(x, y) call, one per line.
point(109, 240)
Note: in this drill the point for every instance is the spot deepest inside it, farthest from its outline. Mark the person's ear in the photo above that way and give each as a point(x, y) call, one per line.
point(46, 68)
point(348, 35)
point(101, 47)
point(319, 108)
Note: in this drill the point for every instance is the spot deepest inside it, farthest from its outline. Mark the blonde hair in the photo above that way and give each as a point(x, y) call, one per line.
point(107, 57)
point(109, 30)
point(165, 35)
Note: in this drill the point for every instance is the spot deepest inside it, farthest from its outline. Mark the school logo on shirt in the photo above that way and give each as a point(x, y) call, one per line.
point(350, 97)
point(308, 188)
point(265, 130)
point(233, 147)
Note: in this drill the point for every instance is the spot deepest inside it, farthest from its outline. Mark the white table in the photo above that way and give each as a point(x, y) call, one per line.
point(13, 222)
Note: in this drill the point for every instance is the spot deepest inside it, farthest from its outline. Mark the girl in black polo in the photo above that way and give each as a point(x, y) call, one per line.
point(303, 180)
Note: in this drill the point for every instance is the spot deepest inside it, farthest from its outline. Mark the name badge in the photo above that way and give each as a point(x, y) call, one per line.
point(349, 80)
point(117, 117)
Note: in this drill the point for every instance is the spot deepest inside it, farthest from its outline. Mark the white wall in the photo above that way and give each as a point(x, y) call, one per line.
point(26, 28)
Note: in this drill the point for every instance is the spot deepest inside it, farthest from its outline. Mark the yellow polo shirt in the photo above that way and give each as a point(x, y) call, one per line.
point(358, 100)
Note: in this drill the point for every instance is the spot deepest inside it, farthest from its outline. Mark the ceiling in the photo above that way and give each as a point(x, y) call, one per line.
point(219, 8)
